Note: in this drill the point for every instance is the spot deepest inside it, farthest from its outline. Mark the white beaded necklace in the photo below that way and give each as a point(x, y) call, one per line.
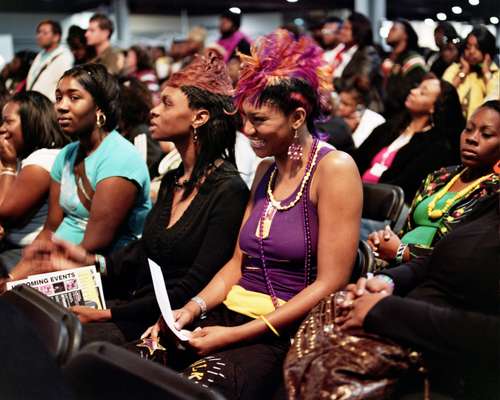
point(277, 204)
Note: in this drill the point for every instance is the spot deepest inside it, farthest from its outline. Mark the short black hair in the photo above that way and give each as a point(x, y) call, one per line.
point(54, 26)
point(103, 22)
point(103, 87)
point(485, 40)
point(26, 58)
point(143, 58)
point(234, 18)
point(492, 105)
point(359, 85)
point(76, 35)
point(447, 29)
point(290, 94)
point(135, 103)
point(362, 32)
point(39, 124)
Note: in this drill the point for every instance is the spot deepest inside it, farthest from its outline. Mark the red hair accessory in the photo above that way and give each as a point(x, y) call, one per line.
point(207, 72)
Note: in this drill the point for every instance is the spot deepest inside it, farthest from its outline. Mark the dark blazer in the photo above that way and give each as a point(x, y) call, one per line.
point(424, 153)
point(365, 62)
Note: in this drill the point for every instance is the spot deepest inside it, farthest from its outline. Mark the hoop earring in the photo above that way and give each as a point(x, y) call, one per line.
point(195, 135)
point(295, 150)
point(101, 120)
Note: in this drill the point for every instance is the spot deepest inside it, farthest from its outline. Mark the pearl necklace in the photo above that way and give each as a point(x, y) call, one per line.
point(438, 213)
point(310, 165)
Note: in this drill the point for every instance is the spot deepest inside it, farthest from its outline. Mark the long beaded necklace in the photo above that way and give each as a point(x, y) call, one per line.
point(304, 190)
point(277, 204)
point(438, 213)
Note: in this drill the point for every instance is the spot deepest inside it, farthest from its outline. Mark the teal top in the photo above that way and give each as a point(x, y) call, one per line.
point(425, 229)
point(115, 157)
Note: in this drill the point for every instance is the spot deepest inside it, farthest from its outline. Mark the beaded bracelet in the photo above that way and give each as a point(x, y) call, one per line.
point(400, 253)
point(8, 172)
point(203, 306)
point(100, 263)
point(386, 279)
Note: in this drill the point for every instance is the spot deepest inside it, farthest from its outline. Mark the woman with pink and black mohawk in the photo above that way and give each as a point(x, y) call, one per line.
point(299, 235)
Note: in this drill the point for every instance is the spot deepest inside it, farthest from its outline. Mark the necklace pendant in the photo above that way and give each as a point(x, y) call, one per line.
point(264, 224)
point(435, 214)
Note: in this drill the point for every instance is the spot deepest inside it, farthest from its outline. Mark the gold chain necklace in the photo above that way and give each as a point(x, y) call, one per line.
point(438, 213)
point(277, 204)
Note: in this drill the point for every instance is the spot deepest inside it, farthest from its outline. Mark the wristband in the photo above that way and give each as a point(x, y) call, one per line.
point(400, 253)
point(100, 263)
point(386, 279)
point(203, 306)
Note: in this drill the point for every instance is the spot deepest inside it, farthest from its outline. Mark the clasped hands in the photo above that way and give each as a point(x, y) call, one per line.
point(204, 340)
point(357, 301)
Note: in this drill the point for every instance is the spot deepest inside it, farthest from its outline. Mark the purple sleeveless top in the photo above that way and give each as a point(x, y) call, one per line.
point(284, 247)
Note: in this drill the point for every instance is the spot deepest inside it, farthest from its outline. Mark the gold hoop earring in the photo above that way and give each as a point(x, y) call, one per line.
point(195, 135)
point(101, 120)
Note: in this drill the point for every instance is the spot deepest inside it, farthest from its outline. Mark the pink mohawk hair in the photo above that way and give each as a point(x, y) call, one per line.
point(278, 57)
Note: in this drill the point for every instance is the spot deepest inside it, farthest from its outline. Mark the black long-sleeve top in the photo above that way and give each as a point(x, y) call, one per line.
point(424, 153)
point(447, 305)
point(189, 253)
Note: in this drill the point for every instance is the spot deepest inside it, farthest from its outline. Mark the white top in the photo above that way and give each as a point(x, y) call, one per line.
point(246, 159)
point(339, 65)
point(368, 122)
point(50, 67)
point(23, 236)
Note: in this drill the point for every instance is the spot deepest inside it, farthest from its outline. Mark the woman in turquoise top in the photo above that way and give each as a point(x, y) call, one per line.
point(99, 195)
point(447, 195)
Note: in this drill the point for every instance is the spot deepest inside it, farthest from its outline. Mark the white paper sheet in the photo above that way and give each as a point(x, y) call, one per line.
point(164, 301)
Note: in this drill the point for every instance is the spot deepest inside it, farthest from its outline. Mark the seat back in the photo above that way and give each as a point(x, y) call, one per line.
point(105, 371)
point(382, 202)
point(365, 261)
point(58, 328)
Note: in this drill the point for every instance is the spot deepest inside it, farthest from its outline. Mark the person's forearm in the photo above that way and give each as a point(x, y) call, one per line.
point(45, 234)
point(7, 178)
point(220, 285)
point(95, 243)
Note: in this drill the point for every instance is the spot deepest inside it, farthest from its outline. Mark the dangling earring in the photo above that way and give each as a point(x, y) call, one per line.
point(101, 120)
point(431, 120)
point(295, 149)
point(195, 135)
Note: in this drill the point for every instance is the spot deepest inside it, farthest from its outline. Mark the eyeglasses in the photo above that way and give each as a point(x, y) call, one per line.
point(325, 31)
